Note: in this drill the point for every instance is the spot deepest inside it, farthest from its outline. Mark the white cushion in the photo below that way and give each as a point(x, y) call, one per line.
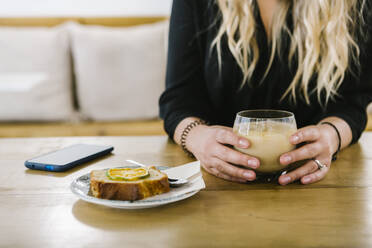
point(35, 74)
point(120, 72)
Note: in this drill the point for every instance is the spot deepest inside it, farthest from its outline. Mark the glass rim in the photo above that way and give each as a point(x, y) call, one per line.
point(287, 114)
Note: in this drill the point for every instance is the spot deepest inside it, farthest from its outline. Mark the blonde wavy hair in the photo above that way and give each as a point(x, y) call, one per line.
point(323, 40)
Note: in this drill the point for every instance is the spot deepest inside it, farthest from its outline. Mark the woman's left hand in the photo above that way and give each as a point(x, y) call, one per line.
point(320, 143)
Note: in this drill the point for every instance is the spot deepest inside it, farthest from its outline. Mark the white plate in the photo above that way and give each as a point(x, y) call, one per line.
point(81, 185)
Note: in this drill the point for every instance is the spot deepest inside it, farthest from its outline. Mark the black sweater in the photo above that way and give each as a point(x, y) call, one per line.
point(196, 87)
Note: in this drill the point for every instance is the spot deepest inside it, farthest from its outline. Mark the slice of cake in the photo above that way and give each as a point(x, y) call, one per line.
point(128, 184)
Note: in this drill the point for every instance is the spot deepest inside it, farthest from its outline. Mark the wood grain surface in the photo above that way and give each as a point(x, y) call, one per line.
point(37, 208)
point(81, 128)
point(54, 21)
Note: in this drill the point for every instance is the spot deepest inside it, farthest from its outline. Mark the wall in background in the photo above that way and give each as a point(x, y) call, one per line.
point(84, 8)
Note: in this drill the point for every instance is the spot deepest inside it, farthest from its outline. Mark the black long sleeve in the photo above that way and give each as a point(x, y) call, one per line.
point(185, 94)
point(196, 87)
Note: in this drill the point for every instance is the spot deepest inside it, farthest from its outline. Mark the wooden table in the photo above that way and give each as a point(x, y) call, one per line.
point(37, 208)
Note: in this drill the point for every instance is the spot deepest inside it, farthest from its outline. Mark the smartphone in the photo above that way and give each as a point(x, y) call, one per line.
point(69, 157)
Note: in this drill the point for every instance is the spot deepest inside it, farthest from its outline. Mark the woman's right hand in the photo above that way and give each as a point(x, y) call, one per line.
point(208, 144)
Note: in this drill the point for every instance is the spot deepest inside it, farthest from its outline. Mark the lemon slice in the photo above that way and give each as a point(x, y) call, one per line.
point(127, 174)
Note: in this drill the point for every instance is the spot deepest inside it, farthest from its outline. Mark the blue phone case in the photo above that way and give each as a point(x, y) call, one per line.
point(60, 168)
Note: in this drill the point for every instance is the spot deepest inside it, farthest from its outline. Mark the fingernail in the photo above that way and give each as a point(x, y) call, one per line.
point(247, 175)
point(286, 159)
point(253, 163)
point(286, 180)
point(306, 180)
point(243, 143)
point(295, 139)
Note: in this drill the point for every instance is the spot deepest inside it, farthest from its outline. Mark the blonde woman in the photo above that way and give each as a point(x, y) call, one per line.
point(310, 57)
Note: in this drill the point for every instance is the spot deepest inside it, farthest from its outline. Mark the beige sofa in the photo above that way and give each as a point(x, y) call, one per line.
point(98, 124)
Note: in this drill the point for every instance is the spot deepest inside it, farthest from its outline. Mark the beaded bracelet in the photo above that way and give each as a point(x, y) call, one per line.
point(334, 156)
point(186, 132)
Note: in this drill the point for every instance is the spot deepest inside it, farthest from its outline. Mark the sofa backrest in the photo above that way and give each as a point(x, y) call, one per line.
point(101, 63)
point(54, 21)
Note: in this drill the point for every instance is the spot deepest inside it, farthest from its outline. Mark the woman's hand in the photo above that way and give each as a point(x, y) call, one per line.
point(321, 142)
point(208, 144)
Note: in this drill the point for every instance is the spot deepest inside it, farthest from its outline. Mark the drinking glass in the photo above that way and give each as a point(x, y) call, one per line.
point(268, 132)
